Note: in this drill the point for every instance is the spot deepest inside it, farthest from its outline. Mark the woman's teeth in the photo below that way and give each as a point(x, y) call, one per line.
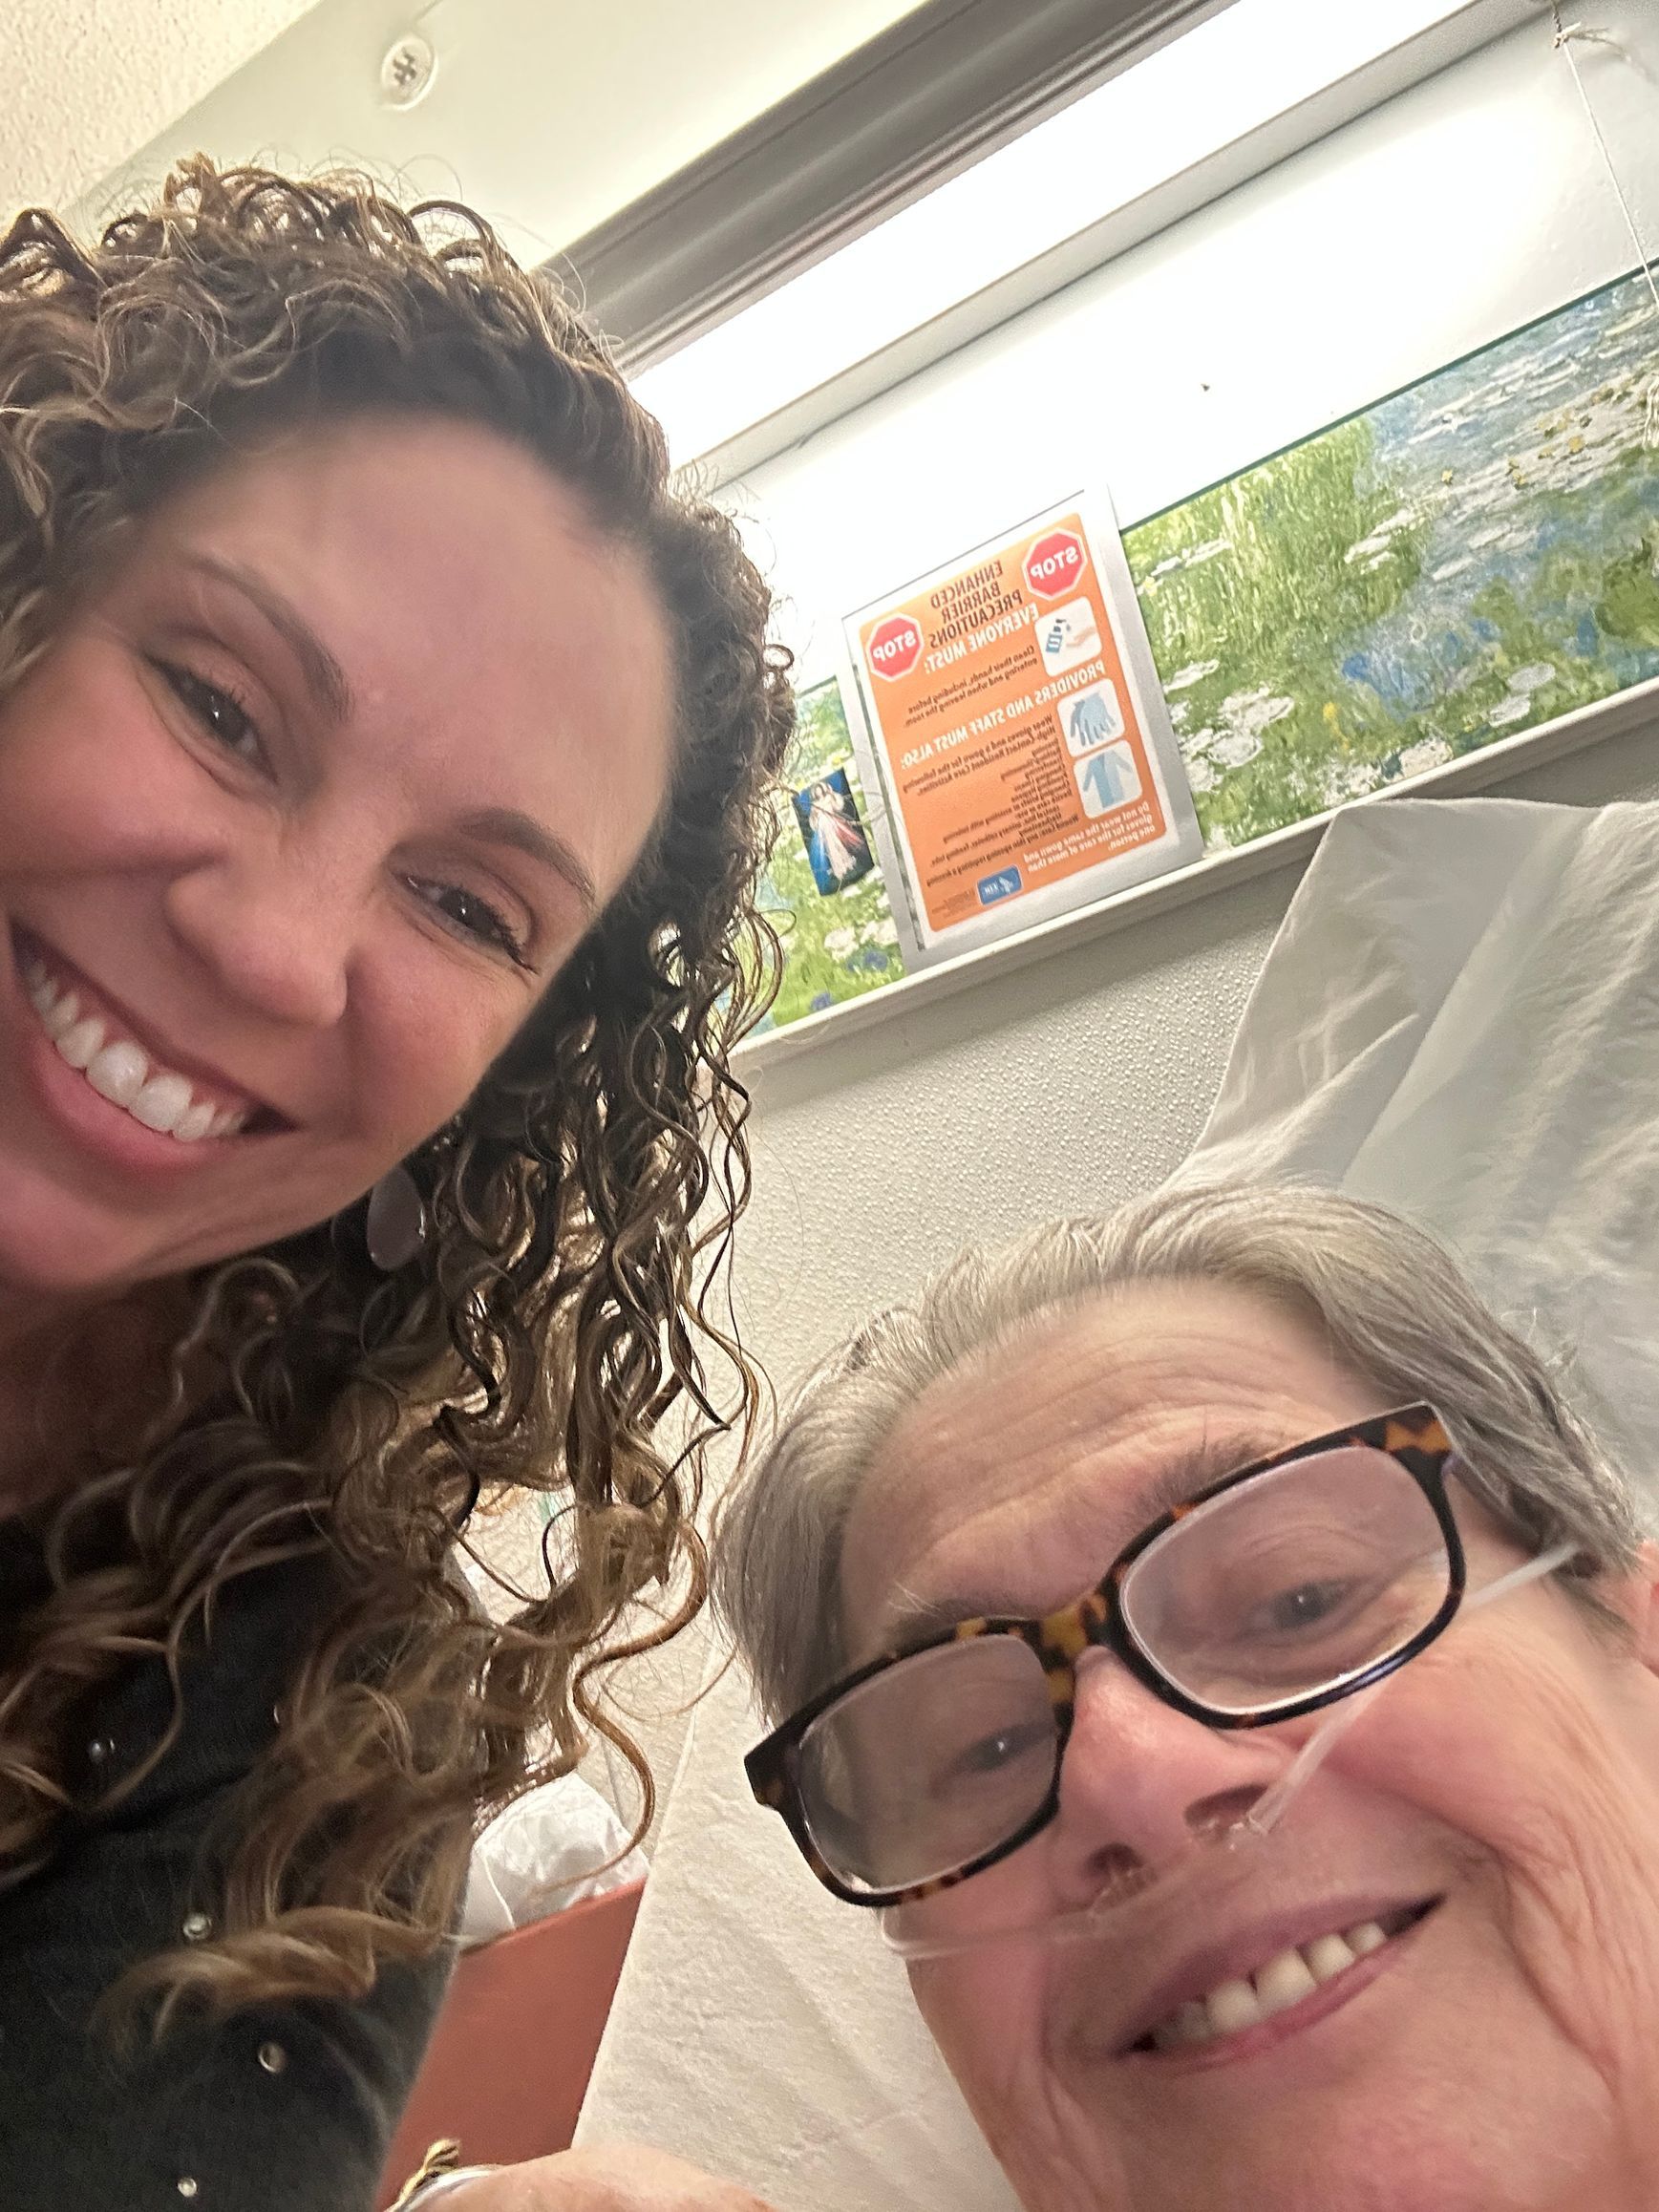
point(123, 1071)
point(1283, 1982)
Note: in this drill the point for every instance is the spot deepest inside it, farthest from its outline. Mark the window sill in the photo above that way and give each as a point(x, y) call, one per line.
point(1616, 716)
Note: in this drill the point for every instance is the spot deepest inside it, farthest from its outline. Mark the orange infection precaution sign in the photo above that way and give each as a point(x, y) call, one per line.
point(1008, 733)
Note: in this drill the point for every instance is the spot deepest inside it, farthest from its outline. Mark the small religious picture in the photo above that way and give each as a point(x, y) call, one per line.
point(836, 842)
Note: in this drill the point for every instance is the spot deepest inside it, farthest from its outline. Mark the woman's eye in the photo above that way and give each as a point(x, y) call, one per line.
point(219, 712)
point(471, 916)
point(1306, 1605)
point(991, 1754)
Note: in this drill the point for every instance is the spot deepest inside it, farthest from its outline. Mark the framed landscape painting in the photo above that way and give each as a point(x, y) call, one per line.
point(1472, 557)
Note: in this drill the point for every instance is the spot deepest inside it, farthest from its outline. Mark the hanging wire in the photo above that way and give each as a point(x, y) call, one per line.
point(1568, 36)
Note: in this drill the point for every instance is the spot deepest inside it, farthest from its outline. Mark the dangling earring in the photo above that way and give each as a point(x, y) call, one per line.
point(396, 1224)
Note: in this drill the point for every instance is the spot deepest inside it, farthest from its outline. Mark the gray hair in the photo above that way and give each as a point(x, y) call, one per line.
point(1393, 1303)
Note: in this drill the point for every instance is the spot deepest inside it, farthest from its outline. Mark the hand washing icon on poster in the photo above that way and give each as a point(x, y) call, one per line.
point(1020, 732)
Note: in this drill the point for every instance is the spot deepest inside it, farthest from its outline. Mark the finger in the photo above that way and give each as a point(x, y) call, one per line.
point(611, 2177)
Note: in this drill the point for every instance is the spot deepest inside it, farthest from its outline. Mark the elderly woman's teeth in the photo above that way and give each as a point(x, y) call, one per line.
point(1283, 1982)
point(123, 1071)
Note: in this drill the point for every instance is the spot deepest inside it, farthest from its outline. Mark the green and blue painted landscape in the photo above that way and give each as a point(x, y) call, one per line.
point(1467, 559)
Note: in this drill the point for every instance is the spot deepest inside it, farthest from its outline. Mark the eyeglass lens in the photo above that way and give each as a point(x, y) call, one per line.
point(1283, 1587)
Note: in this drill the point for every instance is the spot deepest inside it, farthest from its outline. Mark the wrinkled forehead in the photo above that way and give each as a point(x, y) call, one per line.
point(1014, 1481)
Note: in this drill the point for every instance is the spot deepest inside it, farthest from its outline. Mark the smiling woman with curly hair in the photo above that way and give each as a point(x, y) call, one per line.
point(384, 758)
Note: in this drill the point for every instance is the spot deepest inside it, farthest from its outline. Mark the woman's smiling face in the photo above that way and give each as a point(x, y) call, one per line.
point(1496, 1810)
point(303, 808)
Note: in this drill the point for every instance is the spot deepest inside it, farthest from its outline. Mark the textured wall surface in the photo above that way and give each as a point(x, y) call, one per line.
point(1063, 1086)
point(89, 81)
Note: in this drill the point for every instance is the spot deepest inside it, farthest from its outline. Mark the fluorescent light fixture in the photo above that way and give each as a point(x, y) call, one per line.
point(1221, 83)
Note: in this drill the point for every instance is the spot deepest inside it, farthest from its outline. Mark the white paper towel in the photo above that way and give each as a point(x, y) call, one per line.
point(554, 1847)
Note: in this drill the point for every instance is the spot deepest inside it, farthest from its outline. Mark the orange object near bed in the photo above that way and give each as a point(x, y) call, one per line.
point(508, 2063)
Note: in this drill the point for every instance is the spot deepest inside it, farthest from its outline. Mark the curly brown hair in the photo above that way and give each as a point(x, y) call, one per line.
point(580, 1205)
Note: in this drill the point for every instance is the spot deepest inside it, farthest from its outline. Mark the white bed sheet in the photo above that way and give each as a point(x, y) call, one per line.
point(1460, 1017)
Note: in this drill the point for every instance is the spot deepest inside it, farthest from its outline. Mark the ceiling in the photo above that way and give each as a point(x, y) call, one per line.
point(547, 114)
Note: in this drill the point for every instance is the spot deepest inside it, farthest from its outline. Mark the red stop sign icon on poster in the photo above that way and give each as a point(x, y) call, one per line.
point(1054, 564)
point(895, 647)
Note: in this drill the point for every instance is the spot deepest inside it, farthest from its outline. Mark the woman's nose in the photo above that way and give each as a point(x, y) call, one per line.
point(277, 929)
point(1142, 1782)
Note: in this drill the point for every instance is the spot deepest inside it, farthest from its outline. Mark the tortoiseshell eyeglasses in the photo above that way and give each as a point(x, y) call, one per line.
point(1279, 1589)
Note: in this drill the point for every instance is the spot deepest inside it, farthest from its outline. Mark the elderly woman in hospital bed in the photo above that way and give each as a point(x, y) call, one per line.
point(1211, 1643)
point(1458, 1021)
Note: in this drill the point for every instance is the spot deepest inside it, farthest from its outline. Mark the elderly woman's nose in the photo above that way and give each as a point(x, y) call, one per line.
point(1140, 1781)
point(275, 930)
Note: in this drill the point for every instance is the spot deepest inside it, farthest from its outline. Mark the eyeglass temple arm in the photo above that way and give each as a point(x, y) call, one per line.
point(1265, 1813)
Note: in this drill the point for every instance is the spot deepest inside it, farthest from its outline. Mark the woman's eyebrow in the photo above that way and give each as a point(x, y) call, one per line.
point(325, 678)
point(505, 825)
point(1180, 1478)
